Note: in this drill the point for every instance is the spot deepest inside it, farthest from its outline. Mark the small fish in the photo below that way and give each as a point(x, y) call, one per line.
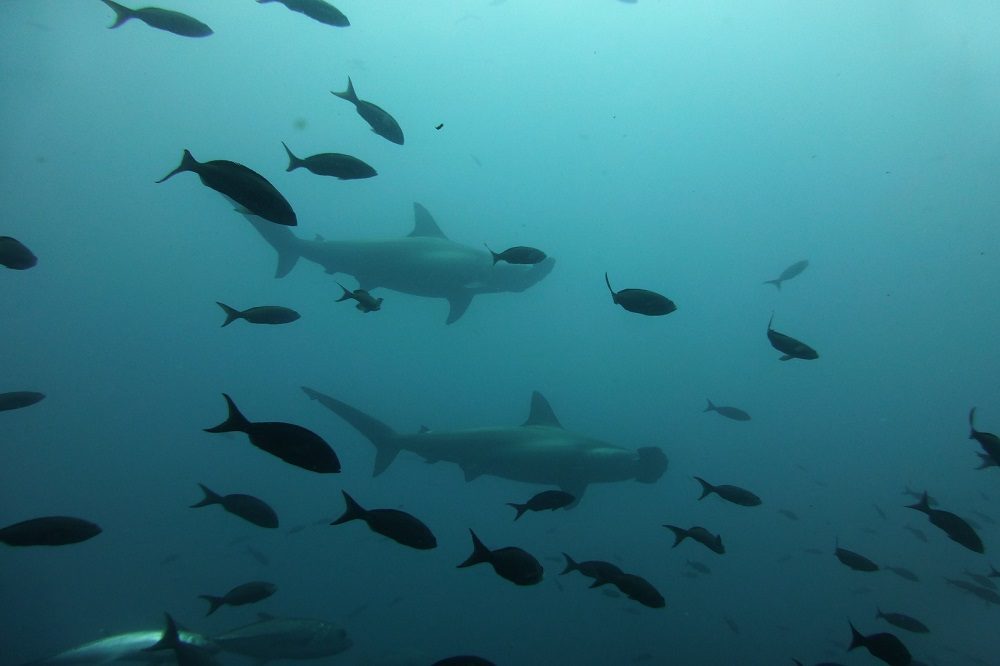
point(380, 121)
point(19, 399)
point(711, 541)
point(519, 254)
point(733, 494)
point(698, 566)
point(547, 500)
point(292, 443)
point(986, 594)
point(641, 301)
point(957, 529)
point(787, 513)
point(161, 19)
point(261, 558)
point(917, 532)
point(788, 273)
point(366, 302)
point(439, 126)
point(902, 621)
point(987, 440)
point(880, 512)
point(246, 187)
point(993, 572)
point(14, 254)
point(49, 531)
point(317, 10)
point(980, 579)
point(596, 569)
point(247, 507)
point(463, 660)
point(853, 560)
point(638, 589)
point(247, 593)
point(337, 165)
point(789, 346)
point(903, 573)
point(262, 314)
point(512, 563)
point(399, 526)
point(884, 646)
point(734, 413)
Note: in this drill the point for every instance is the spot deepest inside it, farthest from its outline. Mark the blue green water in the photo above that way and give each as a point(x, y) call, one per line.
point(695, 149)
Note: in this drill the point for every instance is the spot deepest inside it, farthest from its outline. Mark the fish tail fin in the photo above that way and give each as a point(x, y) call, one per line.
point(679, 534)
point(924, 505)
point(214, 603)
point(706, 487)
point(347, 294)
point(211, 497)
point(521, 508)
point(281, 238)
point(235, 422)
point(480, 553)
point(188, 163)
point(232, 314)
point(353, 511)
point(776, 283)
point(571, 565)
point(170, 640)
point(379, 434)
point(348, 94)
point(496, 257)
point(878, 613)
point(122, 14)
point(607, 281)
point(293, 161)
point(710, 407)
point(857, 640)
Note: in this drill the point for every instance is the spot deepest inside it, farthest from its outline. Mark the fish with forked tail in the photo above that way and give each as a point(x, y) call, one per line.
point(262, 314)
point(733, 494)
point(957, 529)
point(734, 413)
point(366, 302)
point(161, 19)
point(247, 507)
point(711, 541)
point(641, 301)
point(547, 500)
point(789, 273)
point(789, 346)
point(317, 10)
point(337, 165)
point(516, 565)
point(247, 593)
point(378, 118)
point(399, 526)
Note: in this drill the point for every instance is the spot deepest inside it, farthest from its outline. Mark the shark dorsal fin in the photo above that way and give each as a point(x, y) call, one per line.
point(541, 412)
point(424, 225)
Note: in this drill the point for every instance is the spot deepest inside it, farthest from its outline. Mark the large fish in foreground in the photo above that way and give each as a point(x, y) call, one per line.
point(423, 263)
point(273, 638)
point(538, 451)
point(129, 648)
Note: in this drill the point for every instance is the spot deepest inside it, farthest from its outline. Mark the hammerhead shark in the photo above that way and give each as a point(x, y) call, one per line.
point(538, 451)
point(423, 263)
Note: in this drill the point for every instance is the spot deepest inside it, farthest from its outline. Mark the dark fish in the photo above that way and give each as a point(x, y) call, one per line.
point(734, 413)
point(519, 254)
point(366, 302)
point(902, 621)
point(986, 461)
point(337, 165)
point(185, 653)
point(880, 512)
point(882, 646)
point(788, 273)
point(596, 569)
point(317, 10)
point(19, 399)
point(49, 531)
point(399, 526)
point(292, 443)
point(262, 314)
point(699, 567)
point(903, 573)
point(244, 186)
point(918, 533)
point(638, 589)
point(547, 500)
point(853, 560)
point(733, 627)
point(917, 495)
point(987, 440)
point(957, 529)
point(13, 254)
point(733, 494)
point(247, 593)
point(711, 541)
point(984, 593)
point(512, 563)
point(980, 579)
point(791, 515)
point(161, 19)
point(247, 507)
point(463, 660)
point(439, 126)
point(381, 122)
point(993, 572)
point(641, 301)
point(789, 346)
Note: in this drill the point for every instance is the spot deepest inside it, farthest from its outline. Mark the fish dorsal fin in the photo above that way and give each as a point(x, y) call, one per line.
point(541, 412)
point(424, 225)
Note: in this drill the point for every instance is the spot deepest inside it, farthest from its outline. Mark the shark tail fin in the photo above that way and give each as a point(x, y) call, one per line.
point(520, 508)
point(122, 14)
point(706, 487)
point(281, 238)
point(211, 497)
point(480, 553)
point(235, 422)
point(354, 511)
point(214, 603)
point(347, 294)
point(679, 534)
point(571, 565)
point(232, 314)
point(379, 434)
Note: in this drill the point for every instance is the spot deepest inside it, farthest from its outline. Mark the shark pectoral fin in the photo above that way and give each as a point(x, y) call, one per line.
point(471, 473)
point(458, 303)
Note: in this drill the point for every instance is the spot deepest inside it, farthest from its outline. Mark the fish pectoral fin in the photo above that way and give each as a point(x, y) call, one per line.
point(458, 304)
point(471, 473)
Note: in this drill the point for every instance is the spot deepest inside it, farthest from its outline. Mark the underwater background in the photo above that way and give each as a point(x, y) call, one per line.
point(691, 148)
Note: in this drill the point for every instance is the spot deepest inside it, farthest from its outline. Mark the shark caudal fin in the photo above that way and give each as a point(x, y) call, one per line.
point(378, 433)
point(284, 242)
